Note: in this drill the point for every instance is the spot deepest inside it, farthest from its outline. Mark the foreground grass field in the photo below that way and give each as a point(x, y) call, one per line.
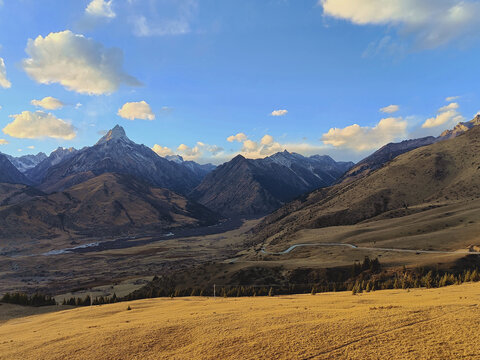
point(393, 324)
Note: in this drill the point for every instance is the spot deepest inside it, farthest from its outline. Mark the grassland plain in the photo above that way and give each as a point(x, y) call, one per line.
point(392, 324)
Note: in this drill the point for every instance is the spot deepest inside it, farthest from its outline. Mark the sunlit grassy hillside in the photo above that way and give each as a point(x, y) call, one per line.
point(394, 324)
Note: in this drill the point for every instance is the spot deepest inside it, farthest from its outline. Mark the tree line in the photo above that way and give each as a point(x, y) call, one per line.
point(363, 276)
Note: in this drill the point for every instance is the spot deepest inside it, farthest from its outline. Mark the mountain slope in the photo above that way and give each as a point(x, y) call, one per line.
point(383, 155)
point(441, 173)
point(105, 205)
point(252, 187)
point(116, 153)
point(390, 151)
point(9, 173)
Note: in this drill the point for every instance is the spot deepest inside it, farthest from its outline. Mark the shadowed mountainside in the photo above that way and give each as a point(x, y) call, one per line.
point(105, 205)
point(252, 187)
point(9, 173)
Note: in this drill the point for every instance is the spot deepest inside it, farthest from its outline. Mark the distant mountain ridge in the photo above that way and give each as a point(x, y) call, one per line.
point(26, 162)
point(9, 173)
point(258, 186)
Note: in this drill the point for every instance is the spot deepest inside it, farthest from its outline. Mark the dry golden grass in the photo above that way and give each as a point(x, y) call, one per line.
point(396, 324)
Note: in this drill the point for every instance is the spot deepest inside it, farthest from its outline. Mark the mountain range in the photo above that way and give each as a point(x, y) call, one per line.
point(313, 191)
point(116, 153)
point(258, 186)
point(118, 186)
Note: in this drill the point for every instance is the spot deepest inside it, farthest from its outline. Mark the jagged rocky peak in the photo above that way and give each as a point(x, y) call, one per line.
point(115, 134)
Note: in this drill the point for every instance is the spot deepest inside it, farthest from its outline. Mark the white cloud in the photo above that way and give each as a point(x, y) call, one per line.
point(31, 147)
point(239, 137)
point(431, 22)
point(78, 63)
point(175, 19)
point(199, 151)
point(451, 106)
point(162, 150)
point(279, 112)
point(452, 98)
point(390, 109)
point(100, 8)
point(446, 115)
point(267, 140)
point(78, 106)
point(253, 149)
point(3, 142)
point(136, 110)
point(38, 124)
point(3, 75)
point(49, 103)
point(363, 138)
point(142, 27)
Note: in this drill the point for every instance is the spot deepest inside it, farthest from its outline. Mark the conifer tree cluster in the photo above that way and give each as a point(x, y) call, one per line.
point(28, 300)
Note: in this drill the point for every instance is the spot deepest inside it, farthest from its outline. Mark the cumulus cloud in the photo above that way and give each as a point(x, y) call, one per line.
point(279, 112)
point(390, 109)
point(78, 63)
point(432, 22)
point(3, 142)
point(363, 138)
point(31, 147)
point(49, 103)
point(445, 115)
point(239, 137)
point(100, 8)
point(162, 150)
point(267, 140)
point(136, 110)
point(257, 149)
point(199, 151)
point(38, 124)
point(3, 75)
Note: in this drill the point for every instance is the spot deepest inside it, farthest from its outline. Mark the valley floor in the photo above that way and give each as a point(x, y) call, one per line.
point(393, 324)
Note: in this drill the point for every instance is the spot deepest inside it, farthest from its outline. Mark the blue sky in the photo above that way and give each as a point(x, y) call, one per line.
point(203, 78)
